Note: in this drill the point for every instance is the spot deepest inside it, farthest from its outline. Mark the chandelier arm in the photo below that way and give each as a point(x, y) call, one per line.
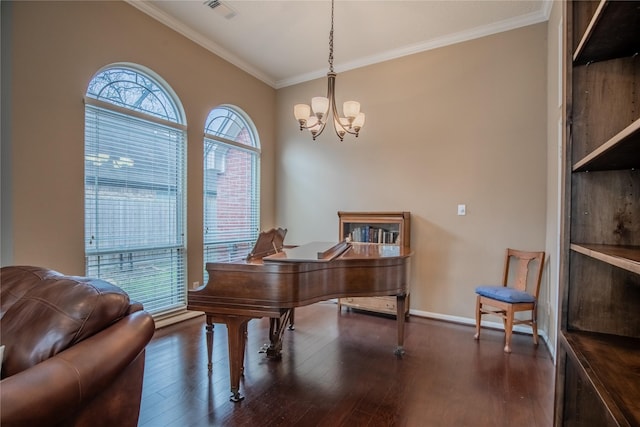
point(331, 94)
point(317, 134)
point(349, 131)
point(333, 107)
point(305, 127)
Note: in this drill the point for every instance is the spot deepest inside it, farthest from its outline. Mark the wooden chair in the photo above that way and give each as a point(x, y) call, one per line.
point(507, 300)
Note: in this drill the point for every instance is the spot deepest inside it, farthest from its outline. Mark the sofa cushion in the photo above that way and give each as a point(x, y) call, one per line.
point(44, 312)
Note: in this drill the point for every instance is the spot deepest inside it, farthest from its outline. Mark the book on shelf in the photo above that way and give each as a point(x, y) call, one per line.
point(371, 234)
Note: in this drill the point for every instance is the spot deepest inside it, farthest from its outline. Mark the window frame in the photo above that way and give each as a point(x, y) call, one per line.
point(254, 151)
point(175, 252)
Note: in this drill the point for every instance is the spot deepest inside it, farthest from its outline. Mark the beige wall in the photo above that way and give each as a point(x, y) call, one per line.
point(460, 124)
point(56, 48)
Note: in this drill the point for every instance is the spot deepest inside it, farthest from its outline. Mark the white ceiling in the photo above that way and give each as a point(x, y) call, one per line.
point(284, 42)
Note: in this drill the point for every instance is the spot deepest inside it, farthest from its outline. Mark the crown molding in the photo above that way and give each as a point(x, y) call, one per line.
point(541, 15)
point(547, 5)
point(196, 37)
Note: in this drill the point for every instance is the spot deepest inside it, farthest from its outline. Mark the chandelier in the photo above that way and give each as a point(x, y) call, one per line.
point(323, 108)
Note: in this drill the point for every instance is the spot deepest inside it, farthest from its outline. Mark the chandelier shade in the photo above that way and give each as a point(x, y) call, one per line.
point(315, 117)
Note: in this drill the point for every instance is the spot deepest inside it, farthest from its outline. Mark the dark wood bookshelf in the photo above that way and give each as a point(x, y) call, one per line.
point(598, 369)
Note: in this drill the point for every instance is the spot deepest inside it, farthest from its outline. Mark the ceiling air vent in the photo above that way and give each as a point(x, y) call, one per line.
point(212, 3)
point(221, 8)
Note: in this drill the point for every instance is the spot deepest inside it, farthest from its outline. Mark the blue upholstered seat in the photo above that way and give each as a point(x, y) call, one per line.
point(504, 293)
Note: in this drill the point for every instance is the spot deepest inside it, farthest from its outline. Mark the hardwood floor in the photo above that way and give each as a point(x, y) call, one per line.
point(340, 370)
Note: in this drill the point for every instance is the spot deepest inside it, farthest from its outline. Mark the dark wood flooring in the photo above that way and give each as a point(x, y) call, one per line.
point(338, 369)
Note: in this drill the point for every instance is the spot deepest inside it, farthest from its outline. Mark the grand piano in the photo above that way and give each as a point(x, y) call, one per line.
point(274, 279)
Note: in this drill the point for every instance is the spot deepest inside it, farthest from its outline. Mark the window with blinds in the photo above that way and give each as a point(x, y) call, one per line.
point(135, 187)
point(231, 186)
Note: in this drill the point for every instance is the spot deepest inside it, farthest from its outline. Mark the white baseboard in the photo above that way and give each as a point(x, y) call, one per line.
point(173, 318)
point(487, 324)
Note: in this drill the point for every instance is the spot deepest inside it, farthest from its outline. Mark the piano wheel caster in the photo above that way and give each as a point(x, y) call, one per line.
point(399, 352)
point(236, 397)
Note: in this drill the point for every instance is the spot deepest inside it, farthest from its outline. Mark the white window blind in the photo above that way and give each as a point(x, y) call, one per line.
point(231, 186)
point(134, 191)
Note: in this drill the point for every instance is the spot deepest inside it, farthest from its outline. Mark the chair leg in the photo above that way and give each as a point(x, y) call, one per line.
point(478, 316)
point(508, 328)
point(534, 326)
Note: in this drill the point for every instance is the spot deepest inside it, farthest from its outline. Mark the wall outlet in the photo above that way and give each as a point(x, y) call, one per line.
point(462, 209)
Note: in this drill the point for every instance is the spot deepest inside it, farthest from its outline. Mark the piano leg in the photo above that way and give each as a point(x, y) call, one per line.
point(400, 316)
point(237, 330)
point(276, 328)
point(237, 338)
point(291, 320)
point(209, 334)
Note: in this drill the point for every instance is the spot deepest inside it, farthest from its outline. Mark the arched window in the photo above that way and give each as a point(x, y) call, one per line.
point(134, 180)
point(231, 185)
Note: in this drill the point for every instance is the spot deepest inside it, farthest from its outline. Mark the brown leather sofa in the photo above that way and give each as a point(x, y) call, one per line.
point(74, 350)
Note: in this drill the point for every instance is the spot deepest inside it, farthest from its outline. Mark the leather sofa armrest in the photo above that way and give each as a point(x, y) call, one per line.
point(135, 306)
point(53, 390)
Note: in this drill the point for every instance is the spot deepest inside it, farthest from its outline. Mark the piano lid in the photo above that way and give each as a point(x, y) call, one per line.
point(311, 252)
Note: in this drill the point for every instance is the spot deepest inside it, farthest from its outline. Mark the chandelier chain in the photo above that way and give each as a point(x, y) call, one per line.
point(331, 41)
